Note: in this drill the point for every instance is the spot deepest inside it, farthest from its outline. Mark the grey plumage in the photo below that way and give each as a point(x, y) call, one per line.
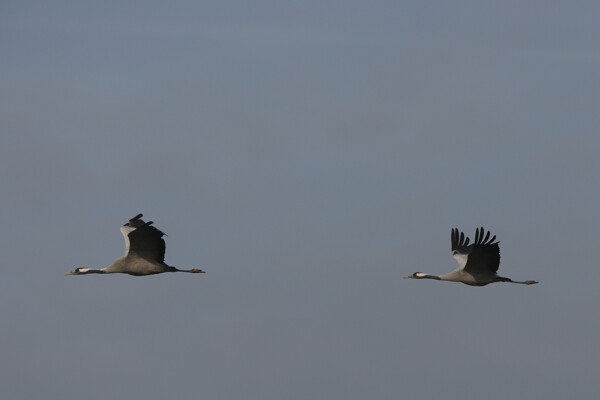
point(477, 263)
point(144, 252)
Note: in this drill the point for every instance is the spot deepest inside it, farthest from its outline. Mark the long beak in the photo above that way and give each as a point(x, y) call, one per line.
point(74, 272)
point(407, 277)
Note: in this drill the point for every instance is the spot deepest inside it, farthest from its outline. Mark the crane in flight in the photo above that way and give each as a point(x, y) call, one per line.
point(144, 252)
point(477, 263)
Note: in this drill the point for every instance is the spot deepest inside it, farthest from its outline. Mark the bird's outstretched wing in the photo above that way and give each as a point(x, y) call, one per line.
point(145, 240)
point(459, 243)
point(483, 256)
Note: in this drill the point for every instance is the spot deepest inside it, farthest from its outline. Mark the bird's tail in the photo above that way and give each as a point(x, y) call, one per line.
point(503, 279)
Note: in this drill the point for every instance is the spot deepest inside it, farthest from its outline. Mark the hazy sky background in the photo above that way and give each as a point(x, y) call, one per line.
point(307, 155)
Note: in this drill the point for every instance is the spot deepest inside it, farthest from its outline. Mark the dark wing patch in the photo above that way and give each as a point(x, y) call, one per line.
point(136, 221)
point(147, 242)
point(459, 243)
point(485, 254)
point(136, 217)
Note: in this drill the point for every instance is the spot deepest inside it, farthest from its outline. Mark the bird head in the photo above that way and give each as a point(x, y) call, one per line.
point(78, 271)
point(416, 275)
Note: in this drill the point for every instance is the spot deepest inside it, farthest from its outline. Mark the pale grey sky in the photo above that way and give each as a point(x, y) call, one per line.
point(307, 155)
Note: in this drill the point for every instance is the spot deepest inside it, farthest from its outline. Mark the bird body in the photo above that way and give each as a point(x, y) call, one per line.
point(477, 263)
point(144, 252)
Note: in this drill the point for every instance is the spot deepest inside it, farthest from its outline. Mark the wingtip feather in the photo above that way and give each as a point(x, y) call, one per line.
point(486, 237)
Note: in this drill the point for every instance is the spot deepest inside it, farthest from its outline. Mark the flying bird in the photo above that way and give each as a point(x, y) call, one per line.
point(477, 263)
point(144, 252)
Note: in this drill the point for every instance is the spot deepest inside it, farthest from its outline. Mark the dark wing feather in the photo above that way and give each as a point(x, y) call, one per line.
point(485, 254)
point(146, 241)
point(136, 217)
point(459, 243)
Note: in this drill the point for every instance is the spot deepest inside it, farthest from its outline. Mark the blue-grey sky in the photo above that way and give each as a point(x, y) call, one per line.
point(307, 155)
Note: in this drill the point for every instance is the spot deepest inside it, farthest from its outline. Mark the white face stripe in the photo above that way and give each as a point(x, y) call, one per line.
point(83, 270)
point(420, 274)
point(461, 259)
